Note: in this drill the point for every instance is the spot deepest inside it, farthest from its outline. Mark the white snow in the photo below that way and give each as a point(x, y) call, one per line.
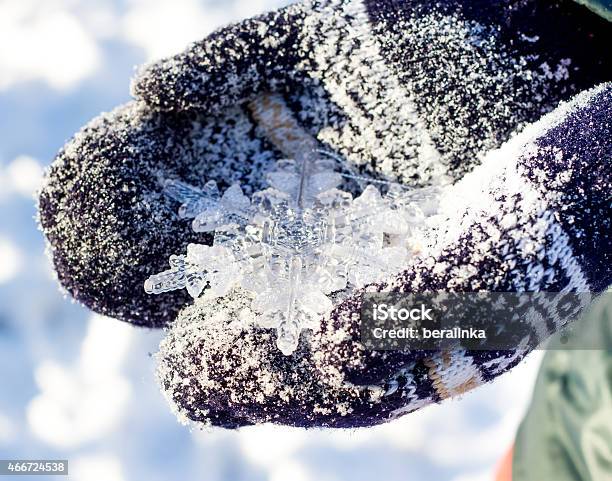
point(10, 260)
point(163, 28)
point(23, 175)
point(84, 401)
point(44, 40)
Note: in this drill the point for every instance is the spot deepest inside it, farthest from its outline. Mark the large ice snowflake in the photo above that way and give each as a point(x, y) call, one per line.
point(293, 244)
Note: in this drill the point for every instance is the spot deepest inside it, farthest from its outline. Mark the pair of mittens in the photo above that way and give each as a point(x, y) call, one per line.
point(406, 91)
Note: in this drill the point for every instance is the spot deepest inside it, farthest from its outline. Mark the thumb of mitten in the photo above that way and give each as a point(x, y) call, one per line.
point(230, 65)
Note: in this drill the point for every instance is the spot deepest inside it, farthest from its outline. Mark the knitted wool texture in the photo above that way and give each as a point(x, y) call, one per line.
point(414, 92)
point(538, 204)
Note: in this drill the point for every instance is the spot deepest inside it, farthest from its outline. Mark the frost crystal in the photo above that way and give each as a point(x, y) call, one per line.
point(293, 244)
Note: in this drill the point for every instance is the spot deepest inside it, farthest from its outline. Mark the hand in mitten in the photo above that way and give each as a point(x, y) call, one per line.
point(413, 92)
point(404, 92)
point(535, 216)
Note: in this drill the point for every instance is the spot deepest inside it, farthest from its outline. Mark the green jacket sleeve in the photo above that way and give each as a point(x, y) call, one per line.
point(602, 7)
point(567, 432)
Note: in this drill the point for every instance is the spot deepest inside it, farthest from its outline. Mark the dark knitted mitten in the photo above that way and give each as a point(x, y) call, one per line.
point(535, 216)
point(409, 91)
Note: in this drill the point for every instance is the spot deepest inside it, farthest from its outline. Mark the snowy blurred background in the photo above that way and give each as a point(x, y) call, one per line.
point(77, 386)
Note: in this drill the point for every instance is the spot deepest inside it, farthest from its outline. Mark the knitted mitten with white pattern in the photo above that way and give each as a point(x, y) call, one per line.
point(534, 216)
point(406, 91)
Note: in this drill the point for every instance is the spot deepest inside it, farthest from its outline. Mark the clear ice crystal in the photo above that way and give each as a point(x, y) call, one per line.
point(293, 244)
point(193, 200)
point(213, 266)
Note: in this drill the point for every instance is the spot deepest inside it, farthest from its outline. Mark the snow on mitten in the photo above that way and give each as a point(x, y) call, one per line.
point(535, 216)
point(407, 91)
